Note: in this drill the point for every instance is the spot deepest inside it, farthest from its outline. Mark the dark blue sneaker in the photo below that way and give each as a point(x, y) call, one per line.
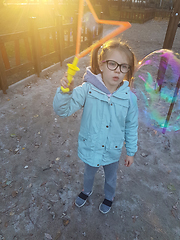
point(82, 198)
point(105, 206)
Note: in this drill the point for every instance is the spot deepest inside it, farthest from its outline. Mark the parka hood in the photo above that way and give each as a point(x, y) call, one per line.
point(97, 81)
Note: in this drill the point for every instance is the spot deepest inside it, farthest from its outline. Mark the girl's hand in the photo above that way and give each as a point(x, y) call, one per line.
point(129, 160)
point(64, 82)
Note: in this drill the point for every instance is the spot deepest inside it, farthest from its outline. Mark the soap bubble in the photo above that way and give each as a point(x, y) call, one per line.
point(157, 83)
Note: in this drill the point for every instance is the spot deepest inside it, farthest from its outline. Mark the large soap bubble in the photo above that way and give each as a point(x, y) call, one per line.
point(157, 83)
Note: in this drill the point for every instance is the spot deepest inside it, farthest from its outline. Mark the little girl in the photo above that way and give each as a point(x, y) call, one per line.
point(110, 116)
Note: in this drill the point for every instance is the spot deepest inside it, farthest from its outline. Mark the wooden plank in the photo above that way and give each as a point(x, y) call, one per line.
point(13, 36)
point(17, 69)
point(68, 36)
point(60, 37)
point(17, 52)
point(3, 77)
point(47, 43)
point(75, 25)
point(47, 56)
point(68, 30)
point(47, 29)
point(54, 40)
point(39, 44)
point(35, 45)
point(74, 33)
point(67, 25)
point(83, 33)
point(28, 50)
point(4, 56)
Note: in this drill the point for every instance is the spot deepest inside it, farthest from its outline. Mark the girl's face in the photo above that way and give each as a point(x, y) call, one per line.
point(112, 79)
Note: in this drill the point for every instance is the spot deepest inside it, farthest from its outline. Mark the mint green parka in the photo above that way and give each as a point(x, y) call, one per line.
point(108, 120)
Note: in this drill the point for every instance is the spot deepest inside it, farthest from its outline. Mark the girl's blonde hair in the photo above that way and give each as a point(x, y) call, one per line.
point(113, 44)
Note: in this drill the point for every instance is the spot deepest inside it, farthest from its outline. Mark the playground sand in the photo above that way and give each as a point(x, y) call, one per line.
point(41, 175)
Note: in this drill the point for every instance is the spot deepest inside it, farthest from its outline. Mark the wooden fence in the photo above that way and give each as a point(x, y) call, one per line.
point(137, 15)
point(142, 15)
point(32, 51)
point(25, 53)
point(162, 13)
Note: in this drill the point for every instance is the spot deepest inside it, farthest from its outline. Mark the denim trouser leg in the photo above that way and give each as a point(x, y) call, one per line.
point(89, 174)
point(110, 180)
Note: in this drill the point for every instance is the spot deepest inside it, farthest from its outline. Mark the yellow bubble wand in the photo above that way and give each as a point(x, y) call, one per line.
point(72, 68)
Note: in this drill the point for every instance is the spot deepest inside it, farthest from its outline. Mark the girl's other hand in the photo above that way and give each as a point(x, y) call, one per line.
point(64, 82)
point(129, 160)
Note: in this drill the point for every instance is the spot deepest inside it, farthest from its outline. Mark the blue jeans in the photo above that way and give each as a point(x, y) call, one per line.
point(110, 179)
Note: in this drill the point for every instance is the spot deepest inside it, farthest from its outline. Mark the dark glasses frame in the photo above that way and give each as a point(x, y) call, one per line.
point(118, 65)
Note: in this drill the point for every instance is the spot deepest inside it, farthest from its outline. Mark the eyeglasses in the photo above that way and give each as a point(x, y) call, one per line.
point(112, 65)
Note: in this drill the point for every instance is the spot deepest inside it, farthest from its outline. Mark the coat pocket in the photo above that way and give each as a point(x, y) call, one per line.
point(93, 94)
point(121, 110)
point(85, 144)
point(114, 147)
point(121, 102)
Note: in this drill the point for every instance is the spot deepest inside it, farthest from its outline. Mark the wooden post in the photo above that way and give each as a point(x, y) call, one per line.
point(100, 27)
point(119, 4)
point(35, 45)
point(172, 26)
point(90, 36)
point(3, 78)
point(105, 5)
point(168, 41)
point(4, 56)
point(17, 52)
point(75, 23)
point(161, 71)
point(90, 32)
point(172, 105)
point(28, 50)
point(60, 38)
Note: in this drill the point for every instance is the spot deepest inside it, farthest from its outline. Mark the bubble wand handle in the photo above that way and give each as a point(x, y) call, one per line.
point(72, 69)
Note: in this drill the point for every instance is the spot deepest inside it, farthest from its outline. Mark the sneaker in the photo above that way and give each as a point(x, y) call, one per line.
point(81, 199)
point(105, 206)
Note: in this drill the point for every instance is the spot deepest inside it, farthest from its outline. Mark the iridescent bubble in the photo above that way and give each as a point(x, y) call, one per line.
point(157, 83)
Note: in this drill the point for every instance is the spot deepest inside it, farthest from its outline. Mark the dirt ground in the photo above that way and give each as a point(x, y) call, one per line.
point(41, 175)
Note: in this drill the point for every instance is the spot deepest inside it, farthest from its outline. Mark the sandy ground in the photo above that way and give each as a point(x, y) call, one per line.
point(41, 175)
